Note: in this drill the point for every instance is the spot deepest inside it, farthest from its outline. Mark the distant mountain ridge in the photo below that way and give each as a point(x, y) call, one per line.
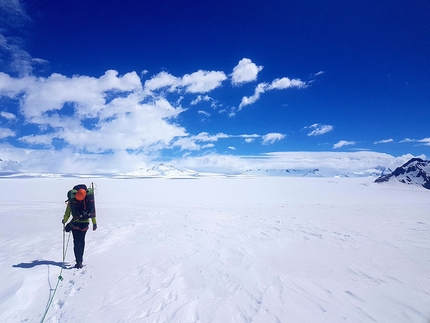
point(317, 172)
point(415, 172)
point(164, 170)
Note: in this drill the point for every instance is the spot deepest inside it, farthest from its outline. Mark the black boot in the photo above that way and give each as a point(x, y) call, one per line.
point(79, 265)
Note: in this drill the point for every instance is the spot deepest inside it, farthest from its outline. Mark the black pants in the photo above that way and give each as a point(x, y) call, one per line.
point(79, 243)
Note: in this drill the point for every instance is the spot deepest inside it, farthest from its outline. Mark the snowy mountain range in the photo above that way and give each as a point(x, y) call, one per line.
point(317, 172)
point(163, 170)
point(169, 171)
point(415, 172)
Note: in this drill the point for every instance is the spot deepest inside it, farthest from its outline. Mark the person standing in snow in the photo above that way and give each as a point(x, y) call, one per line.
point(81, 206)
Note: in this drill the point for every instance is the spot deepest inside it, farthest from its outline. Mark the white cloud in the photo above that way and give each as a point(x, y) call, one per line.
point(197, 82)
point(277, 84)
point(407, 140)
point(343, 143)
point(319, 73)
point(205, 98)
point(5, 132)
point(200, 98)
point(13, 13)
point(247, 100)
point(231, 148)
point(7, 115)
point(285, 83)
point(385, 141)
point(319, 129)
point(131, 120)
point(425, 141)
point(270, 138)
point(245, 71)
point(50, 94)
point(14, 58)
point(162, 80)
point(354, 162)
point(249, 140)
point(207, 114)
point(202, 81)
point(186, 143)
point(204, 136)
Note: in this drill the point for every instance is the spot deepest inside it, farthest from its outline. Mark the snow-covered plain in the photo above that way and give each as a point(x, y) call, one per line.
point(219, 250)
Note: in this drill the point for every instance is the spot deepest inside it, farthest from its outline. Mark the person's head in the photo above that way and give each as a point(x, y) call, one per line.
point(80, 194)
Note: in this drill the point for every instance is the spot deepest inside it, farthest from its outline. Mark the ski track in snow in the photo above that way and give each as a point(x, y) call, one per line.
point(221, 250)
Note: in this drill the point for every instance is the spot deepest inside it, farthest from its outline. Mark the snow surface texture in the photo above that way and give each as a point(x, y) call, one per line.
point(220, 250)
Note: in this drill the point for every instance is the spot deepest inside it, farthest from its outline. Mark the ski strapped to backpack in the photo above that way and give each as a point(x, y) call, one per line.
point(81, 209)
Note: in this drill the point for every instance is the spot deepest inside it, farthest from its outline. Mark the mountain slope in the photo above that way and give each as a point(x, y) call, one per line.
point(415, 172)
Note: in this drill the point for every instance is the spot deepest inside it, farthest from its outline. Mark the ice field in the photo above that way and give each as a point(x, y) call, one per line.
point(259, 249)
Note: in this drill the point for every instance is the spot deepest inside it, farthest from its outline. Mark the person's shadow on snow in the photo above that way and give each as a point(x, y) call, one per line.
point(35, 263)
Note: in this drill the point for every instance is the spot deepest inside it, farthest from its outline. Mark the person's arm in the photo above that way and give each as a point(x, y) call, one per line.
point(66, 214)
point(94, 221)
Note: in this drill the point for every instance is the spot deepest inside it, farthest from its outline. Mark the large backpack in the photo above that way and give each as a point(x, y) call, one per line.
point(85, 209)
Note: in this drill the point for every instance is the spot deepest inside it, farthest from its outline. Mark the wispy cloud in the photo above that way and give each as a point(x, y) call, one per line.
point(407, 140)
point(425, 141)
point(319, 129)
point(206, 114)
point(343, 143)
point(14, 58)
point(6, 132)
point(385, 141)
point(270, 138)
point(245, 71)
point(7, 115)
point(247, 100)
point(277, 84)
point(205, 98)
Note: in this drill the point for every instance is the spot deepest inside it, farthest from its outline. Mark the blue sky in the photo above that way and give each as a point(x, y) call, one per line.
point(120, 86)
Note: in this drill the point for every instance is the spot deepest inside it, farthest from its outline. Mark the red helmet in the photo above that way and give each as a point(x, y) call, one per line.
point(80, 194)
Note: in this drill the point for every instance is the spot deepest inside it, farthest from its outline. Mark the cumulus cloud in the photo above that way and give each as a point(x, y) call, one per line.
point(277, 84)
point(245, 71)
point(108, 113)
point(343, 143)
point(319, 129)
point(270, 138)
point(285, 83)
point(203, 81)
point(197, 82)
point(50, 94)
